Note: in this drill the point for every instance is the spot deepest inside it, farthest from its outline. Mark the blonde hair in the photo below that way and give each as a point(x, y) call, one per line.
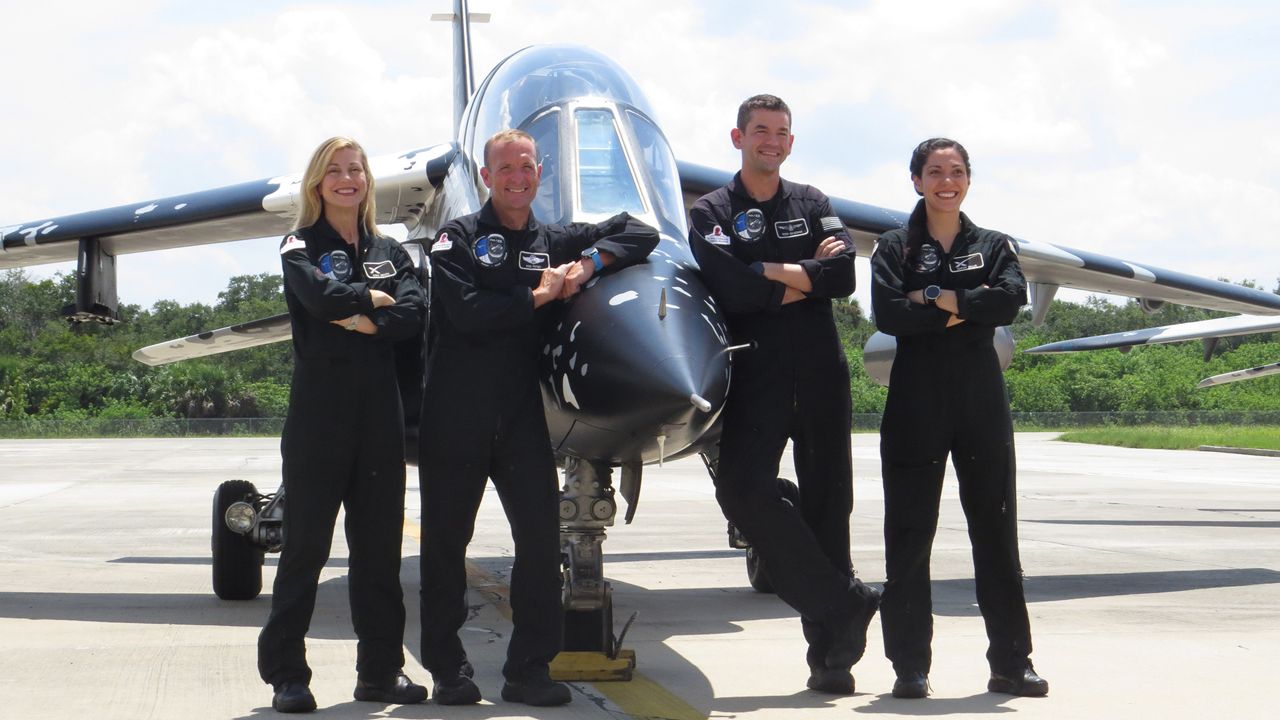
point(506, 136)
point(313, 204)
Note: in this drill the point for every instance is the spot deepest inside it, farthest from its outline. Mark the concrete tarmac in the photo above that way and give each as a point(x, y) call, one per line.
point(1153, 581)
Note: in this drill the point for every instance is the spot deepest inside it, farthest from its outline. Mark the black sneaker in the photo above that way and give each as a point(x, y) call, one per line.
point(397, 690)
point(849, 639)
point(911, 685)
point(1024, 684)
point(293, 697)
point(456, 689)
point(836, 681)
point(536, 688)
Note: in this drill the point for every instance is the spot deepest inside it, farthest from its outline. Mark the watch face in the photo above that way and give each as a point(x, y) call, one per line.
point(932, 292)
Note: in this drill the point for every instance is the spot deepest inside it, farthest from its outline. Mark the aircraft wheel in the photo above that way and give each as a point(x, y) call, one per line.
point(757, 573)
point(590, 630)
point(790, 492)
point(237, 563)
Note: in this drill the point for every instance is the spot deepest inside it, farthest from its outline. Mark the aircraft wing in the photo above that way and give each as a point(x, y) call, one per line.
point(1215, 328)
point(237, 337)
point(1046, 265)
point(406, 183)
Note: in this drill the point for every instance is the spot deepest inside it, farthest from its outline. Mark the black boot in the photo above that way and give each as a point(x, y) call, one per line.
point(396, 690)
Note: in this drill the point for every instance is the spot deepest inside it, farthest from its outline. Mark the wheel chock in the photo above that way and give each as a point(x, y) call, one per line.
point(592, 666)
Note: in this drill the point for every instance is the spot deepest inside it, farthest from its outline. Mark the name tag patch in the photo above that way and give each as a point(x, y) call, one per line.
point(968, 262)
point(717, 236)
point(791, 228)
point(534, 261)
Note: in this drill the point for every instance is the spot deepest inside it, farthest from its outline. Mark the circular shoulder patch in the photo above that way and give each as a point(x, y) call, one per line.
point(491, 250)
point(927, 259)
point(749, 225)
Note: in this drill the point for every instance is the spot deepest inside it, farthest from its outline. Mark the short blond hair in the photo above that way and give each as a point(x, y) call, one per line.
point(313, 203)
point(506, 136)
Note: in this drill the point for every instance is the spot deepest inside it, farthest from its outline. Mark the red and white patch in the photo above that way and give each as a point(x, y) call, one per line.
point(717, 236)
point(291, 243)
point(443, 243)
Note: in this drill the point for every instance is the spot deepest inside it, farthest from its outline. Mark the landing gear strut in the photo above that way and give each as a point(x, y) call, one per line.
point(587, 507)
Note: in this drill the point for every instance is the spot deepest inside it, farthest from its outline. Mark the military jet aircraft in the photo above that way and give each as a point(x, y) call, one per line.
point(636, 369)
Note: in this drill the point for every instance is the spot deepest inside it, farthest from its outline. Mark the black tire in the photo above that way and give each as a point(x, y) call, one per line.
point(237, 563)
point(757, 573)
point(590, 630)
point(790, 492)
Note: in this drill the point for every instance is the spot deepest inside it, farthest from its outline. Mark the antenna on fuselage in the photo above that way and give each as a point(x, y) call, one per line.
point(464, 80)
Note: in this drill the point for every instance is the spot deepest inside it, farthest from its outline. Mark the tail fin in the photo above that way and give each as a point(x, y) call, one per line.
point(464, 82)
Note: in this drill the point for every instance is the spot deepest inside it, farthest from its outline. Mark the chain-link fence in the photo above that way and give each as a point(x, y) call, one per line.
point(149, 427)
point(1029, 421)
point(862, 422)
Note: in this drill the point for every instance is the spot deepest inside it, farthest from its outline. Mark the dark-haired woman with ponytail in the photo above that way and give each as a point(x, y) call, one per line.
point(941, 286)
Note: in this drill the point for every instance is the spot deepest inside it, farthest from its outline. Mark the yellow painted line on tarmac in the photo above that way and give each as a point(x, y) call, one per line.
point(639, 697)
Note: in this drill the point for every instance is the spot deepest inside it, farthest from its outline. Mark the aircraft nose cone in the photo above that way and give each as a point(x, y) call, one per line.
point(631, 378)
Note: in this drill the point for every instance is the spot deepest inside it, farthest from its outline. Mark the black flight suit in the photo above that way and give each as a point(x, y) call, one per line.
point(342, 445)
point(794, 384)
point(947, 396)
point(482, 417)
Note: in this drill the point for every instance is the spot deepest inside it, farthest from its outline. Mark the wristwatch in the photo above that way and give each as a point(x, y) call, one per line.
point(594, 254)
point(931, 294)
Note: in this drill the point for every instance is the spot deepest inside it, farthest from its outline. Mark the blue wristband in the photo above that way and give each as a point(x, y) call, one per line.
point(594, 254)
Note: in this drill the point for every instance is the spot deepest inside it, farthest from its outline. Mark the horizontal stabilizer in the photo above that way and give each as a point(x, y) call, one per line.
point(1250, 374)
point(236, 337)
point(1215, 328)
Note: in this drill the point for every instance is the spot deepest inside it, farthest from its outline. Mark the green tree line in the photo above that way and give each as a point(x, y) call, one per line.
point(49, 369)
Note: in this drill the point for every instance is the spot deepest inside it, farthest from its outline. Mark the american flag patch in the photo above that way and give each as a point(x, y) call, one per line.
point(832, 224)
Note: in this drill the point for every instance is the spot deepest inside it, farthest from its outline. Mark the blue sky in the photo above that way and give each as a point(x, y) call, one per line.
point(1148, 131)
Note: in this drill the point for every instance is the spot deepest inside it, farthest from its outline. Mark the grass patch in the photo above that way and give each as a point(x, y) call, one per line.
point(1265, 437)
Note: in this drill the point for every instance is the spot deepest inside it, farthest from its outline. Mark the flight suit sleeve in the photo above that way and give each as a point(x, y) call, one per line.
point(831, 277)
point(739, 289)
point(893, 311)
point(627, 239)
point(404, 318)
point(323, 297)
point(474, 310)
point(1006, 291)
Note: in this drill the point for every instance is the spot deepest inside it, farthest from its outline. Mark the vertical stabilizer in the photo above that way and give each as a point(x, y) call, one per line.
point(464, 82)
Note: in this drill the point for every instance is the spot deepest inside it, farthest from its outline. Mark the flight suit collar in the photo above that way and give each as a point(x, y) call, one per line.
point(489, 218)
point(737, 188)
point(918, 229)
point(326, 231)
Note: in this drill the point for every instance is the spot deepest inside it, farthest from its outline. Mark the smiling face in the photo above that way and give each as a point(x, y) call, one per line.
point(344, 184)
point(943, 181)
point(512, 174)
point(766, 141)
